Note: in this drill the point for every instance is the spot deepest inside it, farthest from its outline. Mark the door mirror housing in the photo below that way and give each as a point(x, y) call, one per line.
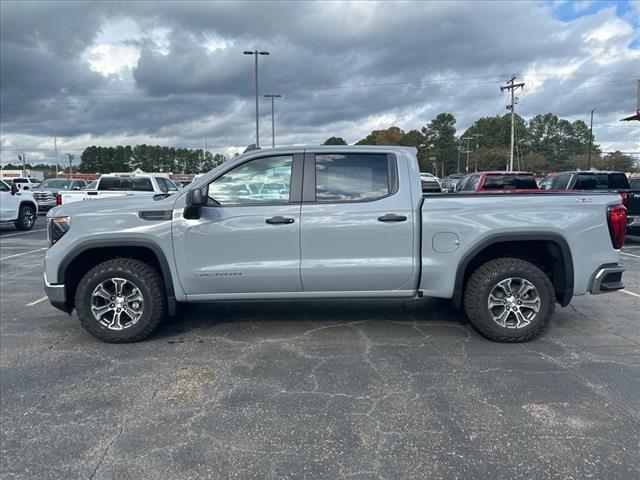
point(14, 189)
point(195, 200)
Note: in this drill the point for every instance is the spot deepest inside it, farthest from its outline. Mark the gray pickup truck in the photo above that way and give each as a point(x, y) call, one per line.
point(331, 222)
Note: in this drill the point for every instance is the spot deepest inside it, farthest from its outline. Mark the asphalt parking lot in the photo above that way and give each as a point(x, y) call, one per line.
point(325, 389)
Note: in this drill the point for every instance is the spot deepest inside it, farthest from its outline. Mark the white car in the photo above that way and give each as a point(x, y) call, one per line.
point(26, 183)
point(17, 206)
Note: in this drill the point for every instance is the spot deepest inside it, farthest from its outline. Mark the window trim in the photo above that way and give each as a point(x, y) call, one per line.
point(294, 193)
point(309, 180)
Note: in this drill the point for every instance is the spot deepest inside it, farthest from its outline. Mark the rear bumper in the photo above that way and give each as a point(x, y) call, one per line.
point(607, 278)
point(57, 295)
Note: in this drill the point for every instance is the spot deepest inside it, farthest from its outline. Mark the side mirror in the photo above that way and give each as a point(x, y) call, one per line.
point(14, 189)
point(195, 201)
point(76, 188)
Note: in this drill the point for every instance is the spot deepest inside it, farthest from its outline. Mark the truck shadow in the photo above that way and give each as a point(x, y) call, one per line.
point(319, 313)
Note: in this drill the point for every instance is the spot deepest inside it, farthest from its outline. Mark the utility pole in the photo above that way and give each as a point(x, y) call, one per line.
point(468, 139)
point(71, 157)
point(591, 140)
point(459, 151)
point(477, 146)
point(512, 87)
point(255, 53)
point(273, 114)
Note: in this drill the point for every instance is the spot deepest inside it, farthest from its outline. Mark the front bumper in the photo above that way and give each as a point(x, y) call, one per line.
point(607, 278)
point(57, 295)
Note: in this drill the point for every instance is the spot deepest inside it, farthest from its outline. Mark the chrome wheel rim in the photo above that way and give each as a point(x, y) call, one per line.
point(514, 302)
point(28, 217)
point(117, 303)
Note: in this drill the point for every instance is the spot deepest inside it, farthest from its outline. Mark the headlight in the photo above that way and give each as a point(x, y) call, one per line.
point(57, 227)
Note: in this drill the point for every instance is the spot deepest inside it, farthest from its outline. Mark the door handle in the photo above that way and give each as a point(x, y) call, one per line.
point(278, 220)
point(392, 217)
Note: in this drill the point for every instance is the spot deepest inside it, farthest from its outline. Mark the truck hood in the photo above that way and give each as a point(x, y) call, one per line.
point(119, 204)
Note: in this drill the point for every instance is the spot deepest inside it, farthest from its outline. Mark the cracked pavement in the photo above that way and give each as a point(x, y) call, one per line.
point(316, 389)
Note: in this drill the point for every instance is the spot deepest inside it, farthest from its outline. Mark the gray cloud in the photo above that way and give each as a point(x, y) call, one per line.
point(342, 68)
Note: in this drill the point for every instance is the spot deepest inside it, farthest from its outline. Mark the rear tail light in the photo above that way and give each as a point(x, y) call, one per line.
point(625, 199)
point(58, 199)
point(617, 220)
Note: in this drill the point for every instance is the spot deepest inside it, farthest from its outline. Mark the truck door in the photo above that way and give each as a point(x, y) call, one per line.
point(8, 203)
point(357, 225)
point(247, 239)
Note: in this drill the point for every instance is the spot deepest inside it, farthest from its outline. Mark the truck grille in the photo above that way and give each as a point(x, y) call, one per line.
point(43, 196)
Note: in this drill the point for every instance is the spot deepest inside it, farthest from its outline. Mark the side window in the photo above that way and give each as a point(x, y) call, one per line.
point(562, 181)
point(264, 180)
point(161, 184)
point(545, 184)
point(352, 177)
point(171, 186)
point(4, 187)
point(462, 184)
point(472, 184)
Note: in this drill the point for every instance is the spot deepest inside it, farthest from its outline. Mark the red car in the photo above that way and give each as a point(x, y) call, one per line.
point(498, 181)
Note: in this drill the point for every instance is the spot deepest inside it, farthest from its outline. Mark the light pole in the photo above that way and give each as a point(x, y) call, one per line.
point(477, 146)
point(590, 140)
point(273, 122)
point(71, 157)
point(255, 53)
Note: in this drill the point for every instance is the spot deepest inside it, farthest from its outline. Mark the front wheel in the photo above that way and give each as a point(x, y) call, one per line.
point(121, 300)
point(26, 218)
point(509, 300)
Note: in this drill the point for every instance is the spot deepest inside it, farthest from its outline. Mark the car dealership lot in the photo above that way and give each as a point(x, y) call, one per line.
point(322, 389)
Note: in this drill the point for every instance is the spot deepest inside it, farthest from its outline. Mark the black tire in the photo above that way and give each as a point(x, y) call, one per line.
point(482, 282)
point(150, 285)
point(26, 218)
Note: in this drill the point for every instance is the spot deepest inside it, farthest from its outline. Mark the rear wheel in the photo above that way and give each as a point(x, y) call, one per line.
point(121, 300)
point(26, 218)
point(509, 300)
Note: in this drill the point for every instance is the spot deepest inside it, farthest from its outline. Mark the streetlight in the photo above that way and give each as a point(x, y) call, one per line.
point(273, 122)
point(255, 53)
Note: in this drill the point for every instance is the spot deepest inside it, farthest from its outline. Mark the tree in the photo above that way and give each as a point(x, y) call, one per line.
point(335, 141)
point(440, 142)
point(390, 136)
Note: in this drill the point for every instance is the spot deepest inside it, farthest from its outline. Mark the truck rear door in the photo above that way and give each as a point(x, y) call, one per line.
point(357, 232)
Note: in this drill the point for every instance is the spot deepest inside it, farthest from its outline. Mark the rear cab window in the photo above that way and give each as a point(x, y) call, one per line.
point(124, 183)
point(510, 182)
point(354, 177)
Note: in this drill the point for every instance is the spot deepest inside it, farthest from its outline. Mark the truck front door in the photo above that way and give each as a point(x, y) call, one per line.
point(357, 225)
point(247, 239)
point(8, 203)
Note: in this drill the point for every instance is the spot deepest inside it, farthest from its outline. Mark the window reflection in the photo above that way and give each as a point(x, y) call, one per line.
point(264, 180)
point(351, 177)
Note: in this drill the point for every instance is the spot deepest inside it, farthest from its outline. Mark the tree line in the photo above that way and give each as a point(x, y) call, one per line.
point(544, 144)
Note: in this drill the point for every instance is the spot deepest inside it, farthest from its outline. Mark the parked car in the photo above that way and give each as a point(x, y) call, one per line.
point(114, 185)
point(498, 181)
point(602, 181)
point(354, 224)
point(430, 183)
point(47, 192)
point(17, 206)
point(633, 205)
point(26, 183)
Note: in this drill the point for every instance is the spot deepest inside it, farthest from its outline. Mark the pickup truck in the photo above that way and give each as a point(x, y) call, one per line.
point(351, 222)
point(116, 185)
point(17, 206)
point(46, 194)
point(497, 181)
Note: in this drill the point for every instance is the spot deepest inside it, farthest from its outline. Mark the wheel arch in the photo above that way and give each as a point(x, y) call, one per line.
point(84, 257)
point(550, 248)
point(29, 203)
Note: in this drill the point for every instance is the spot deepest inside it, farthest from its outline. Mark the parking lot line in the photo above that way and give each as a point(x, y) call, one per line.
point(630, 254)
point(630, 293)
point(22, 233)
point(35, 302)
point(23, 253)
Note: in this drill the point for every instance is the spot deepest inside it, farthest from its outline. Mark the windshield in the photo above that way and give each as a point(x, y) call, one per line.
point(124, 183)
point(55, 184)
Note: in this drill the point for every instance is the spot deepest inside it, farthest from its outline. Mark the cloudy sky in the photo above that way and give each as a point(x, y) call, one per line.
point(174, 73)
